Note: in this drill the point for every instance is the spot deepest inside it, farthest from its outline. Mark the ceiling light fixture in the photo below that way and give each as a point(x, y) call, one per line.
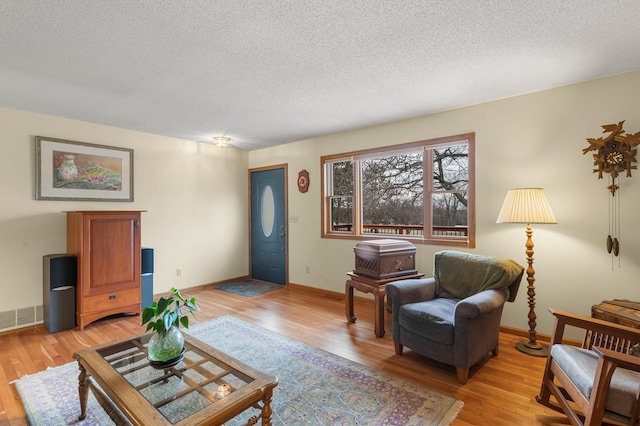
point(221, 141)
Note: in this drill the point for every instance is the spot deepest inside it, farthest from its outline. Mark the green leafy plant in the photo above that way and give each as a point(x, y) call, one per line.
point(167, 312)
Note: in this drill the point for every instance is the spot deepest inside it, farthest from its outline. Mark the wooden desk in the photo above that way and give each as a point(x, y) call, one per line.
point(377, 287)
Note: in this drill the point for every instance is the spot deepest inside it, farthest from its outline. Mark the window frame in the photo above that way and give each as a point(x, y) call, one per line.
point(427, 238)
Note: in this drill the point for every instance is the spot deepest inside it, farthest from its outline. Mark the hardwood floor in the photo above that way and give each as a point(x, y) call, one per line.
point(502, 392)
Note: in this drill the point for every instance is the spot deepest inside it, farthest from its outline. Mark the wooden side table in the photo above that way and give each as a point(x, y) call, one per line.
point(377, 287)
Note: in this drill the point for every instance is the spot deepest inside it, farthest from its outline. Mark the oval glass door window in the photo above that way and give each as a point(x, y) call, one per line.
point(268, 211)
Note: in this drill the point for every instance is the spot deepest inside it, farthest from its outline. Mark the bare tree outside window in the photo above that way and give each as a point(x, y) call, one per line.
point(450, 185)
point(393, 192)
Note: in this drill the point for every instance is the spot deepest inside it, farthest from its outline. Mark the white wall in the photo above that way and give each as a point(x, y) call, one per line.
point(534, 140)
point(194, 195)
point(196, 198)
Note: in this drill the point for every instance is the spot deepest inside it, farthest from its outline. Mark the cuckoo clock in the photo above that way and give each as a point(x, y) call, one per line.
point(614, 153)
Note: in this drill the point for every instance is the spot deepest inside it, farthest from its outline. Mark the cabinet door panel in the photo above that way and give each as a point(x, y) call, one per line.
point(113, 254)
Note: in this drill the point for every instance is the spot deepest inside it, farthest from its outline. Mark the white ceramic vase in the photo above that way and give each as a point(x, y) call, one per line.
point(67, 169)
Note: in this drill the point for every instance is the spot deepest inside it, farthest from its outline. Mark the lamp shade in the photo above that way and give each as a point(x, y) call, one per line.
point(526, 205)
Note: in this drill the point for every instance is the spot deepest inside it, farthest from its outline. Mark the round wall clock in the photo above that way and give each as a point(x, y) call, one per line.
point(303, 181)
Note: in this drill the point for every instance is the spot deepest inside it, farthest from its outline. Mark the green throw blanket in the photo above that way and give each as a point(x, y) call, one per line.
point(460, 275)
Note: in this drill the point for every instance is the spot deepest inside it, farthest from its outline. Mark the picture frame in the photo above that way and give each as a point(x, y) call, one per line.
point(70, 170)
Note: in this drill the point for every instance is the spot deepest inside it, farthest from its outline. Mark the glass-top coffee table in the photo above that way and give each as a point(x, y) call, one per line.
point(207, 387)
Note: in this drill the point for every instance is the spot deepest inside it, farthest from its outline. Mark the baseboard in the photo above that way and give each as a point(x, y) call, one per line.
point(326, 293)
point(524, 333)
point(544, 338)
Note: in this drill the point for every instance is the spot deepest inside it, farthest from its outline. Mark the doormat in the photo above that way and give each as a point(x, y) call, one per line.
point(315, 387)
point(248, 288)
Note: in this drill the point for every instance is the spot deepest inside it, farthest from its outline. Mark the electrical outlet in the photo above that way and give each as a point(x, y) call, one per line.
point(178, 272)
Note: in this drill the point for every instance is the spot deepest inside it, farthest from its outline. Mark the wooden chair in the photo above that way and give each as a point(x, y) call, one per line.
point(598, 382)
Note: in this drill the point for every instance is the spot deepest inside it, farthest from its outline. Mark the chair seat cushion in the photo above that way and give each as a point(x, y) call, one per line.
point(432, 319)
point(581, 364)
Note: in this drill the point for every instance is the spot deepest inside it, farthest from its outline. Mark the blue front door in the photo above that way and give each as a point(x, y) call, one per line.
point(268, 226)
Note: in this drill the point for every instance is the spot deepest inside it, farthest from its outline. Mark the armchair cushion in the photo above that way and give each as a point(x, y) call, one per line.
point(581, 364)
point(432, 319)
point(459, 275)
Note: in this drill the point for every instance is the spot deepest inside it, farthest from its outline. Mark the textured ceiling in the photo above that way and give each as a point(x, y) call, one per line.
point(267, 72)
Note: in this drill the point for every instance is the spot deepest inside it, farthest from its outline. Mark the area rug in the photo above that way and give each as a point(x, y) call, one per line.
point(315, 387)
point(248, 288)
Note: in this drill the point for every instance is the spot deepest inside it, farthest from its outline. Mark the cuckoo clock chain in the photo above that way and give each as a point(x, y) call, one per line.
point(613, 239)
point(614, 154)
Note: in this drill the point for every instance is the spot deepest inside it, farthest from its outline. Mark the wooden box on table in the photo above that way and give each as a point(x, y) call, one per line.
point(384, 259)
point(619, 311)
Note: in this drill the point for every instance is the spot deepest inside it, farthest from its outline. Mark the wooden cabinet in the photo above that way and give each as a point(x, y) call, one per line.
point(108, 247)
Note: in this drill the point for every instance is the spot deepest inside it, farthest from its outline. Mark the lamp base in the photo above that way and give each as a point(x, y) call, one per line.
point(533, 350)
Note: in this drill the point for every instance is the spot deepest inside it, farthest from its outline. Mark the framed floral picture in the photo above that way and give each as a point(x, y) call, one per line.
point(68, 170)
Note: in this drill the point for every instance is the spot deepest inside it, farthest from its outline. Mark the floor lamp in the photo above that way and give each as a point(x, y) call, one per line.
point(528, 205)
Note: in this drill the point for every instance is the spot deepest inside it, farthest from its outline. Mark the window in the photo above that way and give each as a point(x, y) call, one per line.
point(422, 191)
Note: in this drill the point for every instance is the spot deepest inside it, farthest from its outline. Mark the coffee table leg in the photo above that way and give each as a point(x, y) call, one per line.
point(266, 407)
point(348, 303)
point(83, 391)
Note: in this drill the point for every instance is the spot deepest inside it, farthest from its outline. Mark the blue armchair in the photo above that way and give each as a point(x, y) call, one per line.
point(454, 317)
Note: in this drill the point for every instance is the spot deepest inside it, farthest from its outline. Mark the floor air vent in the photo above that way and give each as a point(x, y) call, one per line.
point(21, 317)
point(7, 319)
point(26, 316)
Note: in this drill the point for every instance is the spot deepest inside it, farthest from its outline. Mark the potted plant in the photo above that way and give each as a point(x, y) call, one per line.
point(165, 317)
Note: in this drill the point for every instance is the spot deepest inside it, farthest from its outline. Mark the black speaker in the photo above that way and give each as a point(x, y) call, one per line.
point(60, 270)
point(147, 260)
point(59, 280)
point(146, 285)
